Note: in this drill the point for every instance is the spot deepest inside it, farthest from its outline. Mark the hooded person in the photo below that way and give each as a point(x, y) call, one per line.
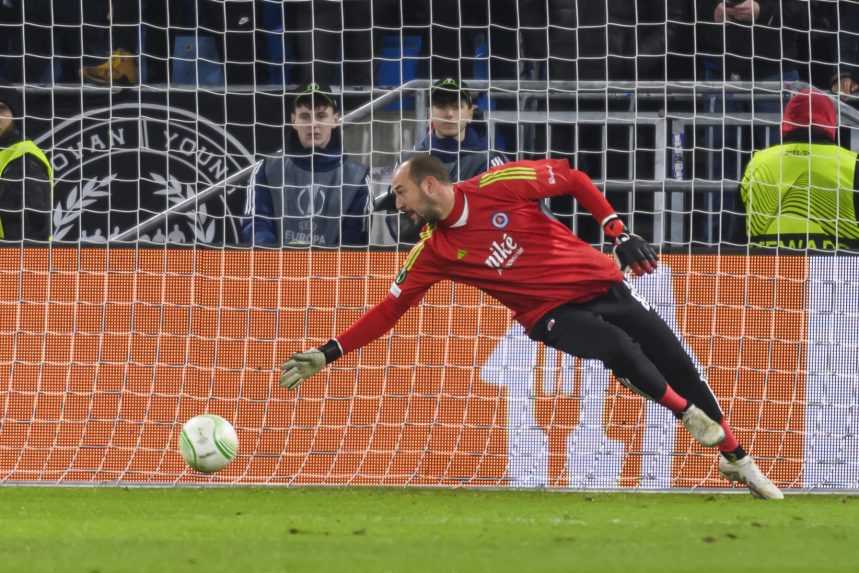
point(310, 195)
point(802, 193)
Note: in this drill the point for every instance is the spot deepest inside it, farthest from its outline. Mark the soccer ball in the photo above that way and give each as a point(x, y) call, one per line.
point(208, 443)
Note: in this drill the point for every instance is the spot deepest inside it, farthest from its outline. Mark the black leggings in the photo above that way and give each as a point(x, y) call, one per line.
point(622, 330)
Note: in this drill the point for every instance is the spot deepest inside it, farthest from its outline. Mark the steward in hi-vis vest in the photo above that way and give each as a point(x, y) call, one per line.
point(802, 194)
point(25, 185)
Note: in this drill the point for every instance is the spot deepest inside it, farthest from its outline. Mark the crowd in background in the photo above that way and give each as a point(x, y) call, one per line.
point(363, 42)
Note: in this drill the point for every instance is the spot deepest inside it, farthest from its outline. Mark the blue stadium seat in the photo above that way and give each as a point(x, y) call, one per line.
point(400, 64)
point(276, 51)
point(193, 54)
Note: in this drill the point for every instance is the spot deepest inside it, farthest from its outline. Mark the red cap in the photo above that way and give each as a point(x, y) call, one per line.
point(810, 107)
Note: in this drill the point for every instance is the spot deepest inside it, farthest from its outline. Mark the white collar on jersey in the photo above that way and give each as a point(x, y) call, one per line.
point(463, 218)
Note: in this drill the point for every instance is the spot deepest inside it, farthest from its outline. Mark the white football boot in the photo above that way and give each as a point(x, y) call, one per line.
point(746, 471)
point(703, 428)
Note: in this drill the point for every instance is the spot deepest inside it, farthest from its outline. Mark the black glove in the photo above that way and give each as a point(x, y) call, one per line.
point(385, 202)
point(632, 252)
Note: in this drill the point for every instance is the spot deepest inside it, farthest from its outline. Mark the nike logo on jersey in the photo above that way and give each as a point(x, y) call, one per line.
point(503, 253)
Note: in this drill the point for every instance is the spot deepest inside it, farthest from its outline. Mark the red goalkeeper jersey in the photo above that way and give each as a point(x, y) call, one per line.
point(498, 239)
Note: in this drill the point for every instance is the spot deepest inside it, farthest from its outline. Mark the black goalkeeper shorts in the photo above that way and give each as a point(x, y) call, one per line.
point(622, 330)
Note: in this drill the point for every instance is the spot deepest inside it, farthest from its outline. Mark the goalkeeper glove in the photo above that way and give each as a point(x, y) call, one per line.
point(303, 365)
point(632, 252)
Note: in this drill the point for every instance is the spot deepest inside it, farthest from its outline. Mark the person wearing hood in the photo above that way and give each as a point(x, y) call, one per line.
point(311, 195)
point(25, 185)
point(453, 139)
point(802, 194)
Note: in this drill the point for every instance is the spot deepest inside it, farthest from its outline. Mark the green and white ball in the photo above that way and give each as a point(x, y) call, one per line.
point(208, 443)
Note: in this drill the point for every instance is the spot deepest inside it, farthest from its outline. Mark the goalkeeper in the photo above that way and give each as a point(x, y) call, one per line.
point(490, 232)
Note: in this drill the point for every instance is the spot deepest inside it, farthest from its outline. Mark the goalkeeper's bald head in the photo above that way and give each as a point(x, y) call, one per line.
point(423, 165)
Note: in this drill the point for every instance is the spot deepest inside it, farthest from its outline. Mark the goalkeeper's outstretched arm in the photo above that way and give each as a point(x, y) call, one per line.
point(374, 324)
point(423, 268)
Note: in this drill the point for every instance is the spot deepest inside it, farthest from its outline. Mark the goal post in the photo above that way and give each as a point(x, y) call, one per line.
point(151, 306)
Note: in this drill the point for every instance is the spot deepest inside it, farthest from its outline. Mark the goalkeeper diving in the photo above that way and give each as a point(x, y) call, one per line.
point(491, 233)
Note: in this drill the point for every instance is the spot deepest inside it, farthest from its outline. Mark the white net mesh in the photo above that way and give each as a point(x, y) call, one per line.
point(133, 319)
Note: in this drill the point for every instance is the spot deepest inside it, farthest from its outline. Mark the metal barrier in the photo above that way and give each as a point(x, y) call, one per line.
point(668, 154)
point(681, 152)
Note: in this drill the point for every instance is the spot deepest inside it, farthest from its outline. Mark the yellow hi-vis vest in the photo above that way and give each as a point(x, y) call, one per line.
point(801, 195)
point(13, 152)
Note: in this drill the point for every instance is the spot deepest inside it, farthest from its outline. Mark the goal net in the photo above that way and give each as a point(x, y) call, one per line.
point(155, 300)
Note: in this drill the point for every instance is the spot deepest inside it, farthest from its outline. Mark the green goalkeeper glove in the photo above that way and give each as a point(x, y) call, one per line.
point(303, 365)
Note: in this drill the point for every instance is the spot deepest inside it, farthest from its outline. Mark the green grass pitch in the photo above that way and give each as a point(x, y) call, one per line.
point(112, 530)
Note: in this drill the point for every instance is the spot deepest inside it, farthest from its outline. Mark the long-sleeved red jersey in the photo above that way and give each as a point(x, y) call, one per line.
point(498, 240)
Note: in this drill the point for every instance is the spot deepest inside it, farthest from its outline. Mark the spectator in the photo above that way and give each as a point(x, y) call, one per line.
point(593, 41)
point(744, 40)
point(25, 185)
point(634, 40)
point(846, 79)
point(455, 139)
point(802, 193)
point(311, 195)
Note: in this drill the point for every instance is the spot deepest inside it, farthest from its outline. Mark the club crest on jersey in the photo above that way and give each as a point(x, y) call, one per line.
point(503, 253)
point(500, 220)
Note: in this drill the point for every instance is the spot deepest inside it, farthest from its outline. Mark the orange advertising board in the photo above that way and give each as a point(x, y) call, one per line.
point(105, 353)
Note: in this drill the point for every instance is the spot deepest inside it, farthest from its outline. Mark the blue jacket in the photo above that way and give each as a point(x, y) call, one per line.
point(465, 159)
point(304, 199)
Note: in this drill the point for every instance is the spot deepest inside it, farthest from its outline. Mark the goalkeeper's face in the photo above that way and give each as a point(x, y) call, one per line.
point(314, 127)
point(417, 202)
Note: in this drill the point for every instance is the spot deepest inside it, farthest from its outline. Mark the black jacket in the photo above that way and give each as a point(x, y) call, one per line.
point(775, 36)
point(464, 159)
point(25, 196)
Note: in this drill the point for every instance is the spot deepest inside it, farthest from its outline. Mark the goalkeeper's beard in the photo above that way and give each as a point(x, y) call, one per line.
point(430, 216)
point(414, 218)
